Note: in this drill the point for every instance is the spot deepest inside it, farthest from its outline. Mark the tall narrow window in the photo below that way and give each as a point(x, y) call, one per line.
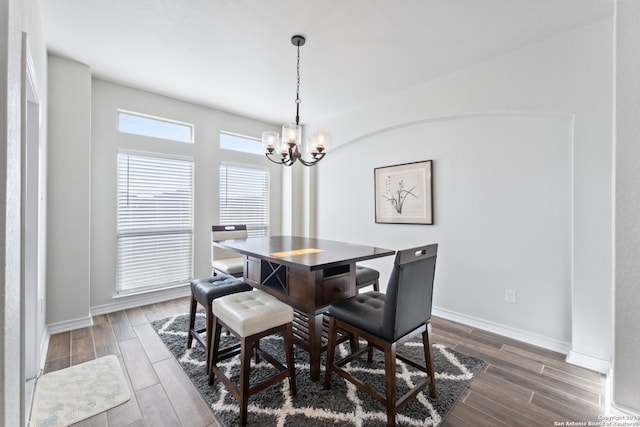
point(244, 198)
point(155, 221)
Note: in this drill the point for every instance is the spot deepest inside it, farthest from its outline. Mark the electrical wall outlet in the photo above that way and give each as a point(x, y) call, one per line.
point(510, 296)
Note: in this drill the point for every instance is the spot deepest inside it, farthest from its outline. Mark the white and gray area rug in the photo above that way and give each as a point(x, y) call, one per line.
point(69, 395)
point(343, 405)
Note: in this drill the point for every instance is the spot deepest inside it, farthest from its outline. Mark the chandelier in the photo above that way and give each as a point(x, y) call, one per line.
point(286, 150)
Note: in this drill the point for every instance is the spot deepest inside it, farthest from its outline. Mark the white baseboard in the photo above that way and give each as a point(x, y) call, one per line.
point(574, 358)
point(119, 303)
point(589, 362)
point(124, 302)
point(69, 325)
point(507, 331)
point(623, 416)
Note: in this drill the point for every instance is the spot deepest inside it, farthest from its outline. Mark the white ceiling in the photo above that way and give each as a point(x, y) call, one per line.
point(236, 55)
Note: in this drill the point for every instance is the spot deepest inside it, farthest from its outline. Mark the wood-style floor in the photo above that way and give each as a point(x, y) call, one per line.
point(520, 385)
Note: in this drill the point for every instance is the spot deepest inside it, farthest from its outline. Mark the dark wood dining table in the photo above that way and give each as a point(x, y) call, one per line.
point(308, 274)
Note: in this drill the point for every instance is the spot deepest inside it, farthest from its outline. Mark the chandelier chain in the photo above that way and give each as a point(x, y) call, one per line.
point(298, 88)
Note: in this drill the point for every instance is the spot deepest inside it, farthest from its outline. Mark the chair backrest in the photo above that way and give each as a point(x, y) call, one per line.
point(409, 292)
point(226, 232)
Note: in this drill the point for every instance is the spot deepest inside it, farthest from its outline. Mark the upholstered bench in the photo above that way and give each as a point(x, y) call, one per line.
point(250, 316)
point(203, 292)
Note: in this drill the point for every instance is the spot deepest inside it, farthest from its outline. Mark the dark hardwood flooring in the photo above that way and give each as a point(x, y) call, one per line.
point(520, 385)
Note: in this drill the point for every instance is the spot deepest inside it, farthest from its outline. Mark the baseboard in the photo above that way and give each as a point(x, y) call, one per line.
point(507, 331)
point(119, 303)
point(589, 362)
point(623, 416)
point(125, 302)
point(69, 325)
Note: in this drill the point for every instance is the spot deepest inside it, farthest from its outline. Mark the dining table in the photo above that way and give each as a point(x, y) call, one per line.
point(307, 273)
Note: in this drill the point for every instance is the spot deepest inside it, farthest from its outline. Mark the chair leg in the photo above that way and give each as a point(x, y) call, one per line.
point(376, 285)
point(428, 357)
point(216, 330)
point(354, 343)
point(256, 351)
point(331, 348)
point(209, 328)
point(245, 366)
point(192, 321)
point(390, 382)
point(288, 345)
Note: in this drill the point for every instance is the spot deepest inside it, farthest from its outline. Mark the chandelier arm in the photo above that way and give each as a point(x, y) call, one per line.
point(274, 161)
point(315, 160)
point(282, 161)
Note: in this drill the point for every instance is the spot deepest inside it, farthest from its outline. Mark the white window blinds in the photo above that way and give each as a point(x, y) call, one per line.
point(155, 221)
point(244, 198)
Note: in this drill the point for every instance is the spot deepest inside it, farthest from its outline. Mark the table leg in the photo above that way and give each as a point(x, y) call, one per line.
point(315, 345)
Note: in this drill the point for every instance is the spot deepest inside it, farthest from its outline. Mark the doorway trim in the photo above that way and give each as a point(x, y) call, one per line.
point(31, 295)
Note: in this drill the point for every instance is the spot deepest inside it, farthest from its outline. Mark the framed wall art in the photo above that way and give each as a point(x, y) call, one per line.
point(404, 193)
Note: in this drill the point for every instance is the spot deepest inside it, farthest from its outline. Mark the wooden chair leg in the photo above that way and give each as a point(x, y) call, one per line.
point(390, 382)
point(216, 330)
point(370, 353)
point(428, 357)
point(209, 330)
point(376, 285)
point(331, 348)
point(245, 367)
point(256, 351)
point(288, 344)
point(192, 321)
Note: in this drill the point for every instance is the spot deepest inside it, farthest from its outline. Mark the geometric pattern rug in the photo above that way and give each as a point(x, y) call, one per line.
point(313, 406)
point(72, 394)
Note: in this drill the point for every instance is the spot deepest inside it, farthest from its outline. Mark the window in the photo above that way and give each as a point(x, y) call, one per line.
point(155, 127)
point(245, 144)
point(155, 221)
point(244, 198)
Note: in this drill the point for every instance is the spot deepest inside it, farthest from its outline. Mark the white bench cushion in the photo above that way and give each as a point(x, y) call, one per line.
point(229, 265)
point(248, 313)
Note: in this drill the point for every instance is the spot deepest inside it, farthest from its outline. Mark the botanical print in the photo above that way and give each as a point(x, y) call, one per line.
point(397, 198)
point(404, 194)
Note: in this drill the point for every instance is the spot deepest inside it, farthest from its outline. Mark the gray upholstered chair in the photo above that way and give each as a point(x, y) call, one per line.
point(366, 276)
point(222, 260)
point(387, 321)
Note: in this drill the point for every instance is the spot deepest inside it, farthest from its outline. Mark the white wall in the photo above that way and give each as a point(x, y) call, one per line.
point(16, 17)
point(107, 98)
point(502, 197)
point(626, 379)
point(569, 75)
point(69, 191)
